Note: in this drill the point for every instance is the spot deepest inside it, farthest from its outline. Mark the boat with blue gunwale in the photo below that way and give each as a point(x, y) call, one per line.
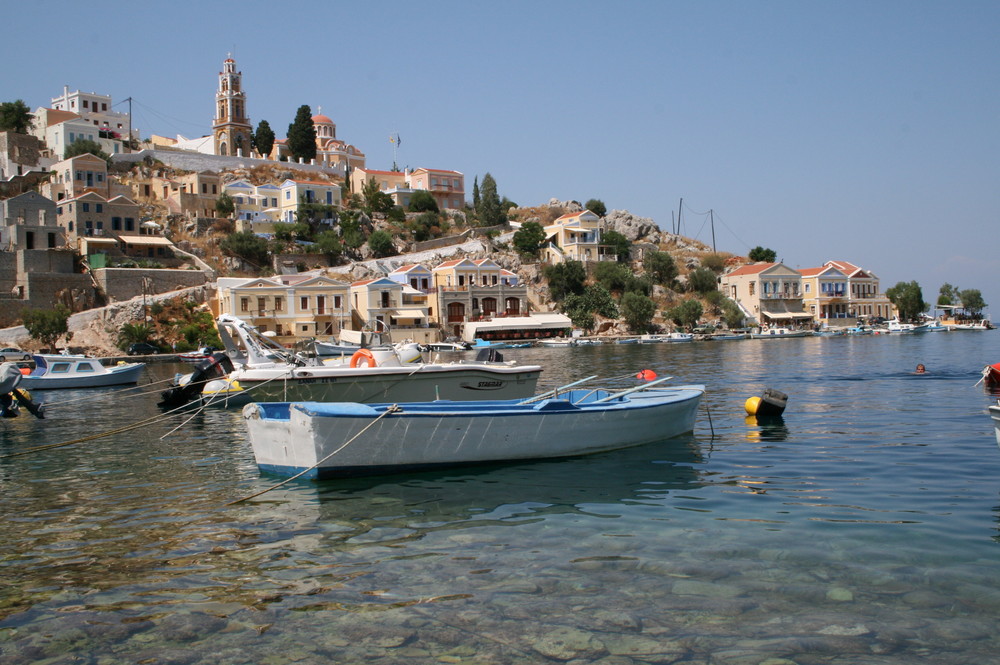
point(329, 439)
point(66, 371)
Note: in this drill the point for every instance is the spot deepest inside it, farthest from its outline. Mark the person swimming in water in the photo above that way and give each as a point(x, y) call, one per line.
point(921, 369)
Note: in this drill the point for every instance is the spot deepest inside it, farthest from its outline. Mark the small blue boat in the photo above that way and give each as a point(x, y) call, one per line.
point(327, 439)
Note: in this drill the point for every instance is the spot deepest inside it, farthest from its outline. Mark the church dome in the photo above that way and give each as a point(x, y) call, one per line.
point(321, 120)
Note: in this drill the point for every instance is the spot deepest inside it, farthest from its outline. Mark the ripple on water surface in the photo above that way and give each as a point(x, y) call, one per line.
point(859, 528)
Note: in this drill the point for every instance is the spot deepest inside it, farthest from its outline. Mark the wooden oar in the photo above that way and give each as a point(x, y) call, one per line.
point(555, 391)
point(636, 389)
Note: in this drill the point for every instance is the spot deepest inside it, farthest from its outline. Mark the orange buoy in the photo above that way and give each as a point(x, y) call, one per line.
point(646, 375)
point(363, 354)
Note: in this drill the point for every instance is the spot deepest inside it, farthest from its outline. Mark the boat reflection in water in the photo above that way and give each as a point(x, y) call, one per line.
point(404, 506)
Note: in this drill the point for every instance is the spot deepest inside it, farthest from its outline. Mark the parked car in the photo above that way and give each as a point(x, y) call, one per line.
point(142, 349)
point(13, 355)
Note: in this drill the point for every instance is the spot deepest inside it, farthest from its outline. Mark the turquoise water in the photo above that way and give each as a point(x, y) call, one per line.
point(863, 528)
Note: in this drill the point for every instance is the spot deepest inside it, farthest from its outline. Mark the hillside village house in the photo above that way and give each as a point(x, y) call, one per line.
point(575, 236)
point(256, 207)
point(193, 194)
point(394, 183)
point(864, 297)
point(21, 154)
point(29, 222)
point(447, 187)
point(96, 110)
point(472, 290)
point(414, 274)
point(294, 307)
point(296, 192)
point(384, 305)
point(78, 175)
point(824, 296)
point(36, 264)
point(768, 293)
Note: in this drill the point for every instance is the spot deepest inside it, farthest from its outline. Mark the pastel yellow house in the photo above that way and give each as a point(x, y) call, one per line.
point(387, 306)
point(575, 236)
point(865, 299)
point(255, 207)
point(295, 192)
point(447, 187)
point(768, 294)
point(294, 307)
point(824, 296)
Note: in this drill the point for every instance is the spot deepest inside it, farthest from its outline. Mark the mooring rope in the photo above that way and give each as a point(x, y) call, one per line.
point(390, 409)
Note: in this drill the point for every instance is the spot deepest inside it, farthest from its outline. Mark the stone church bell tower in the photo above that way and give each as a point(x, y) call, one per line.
point(231, 128)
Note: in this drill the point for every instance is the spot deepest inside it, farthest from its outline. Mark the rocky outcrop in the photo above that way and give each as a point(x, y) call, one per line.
point(632, 227)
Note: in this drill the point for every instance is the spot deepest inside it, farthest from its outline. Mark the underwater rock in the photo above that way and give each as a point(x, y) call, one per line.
point(566, 643)
point(190, 627)
point(840, 594)
point(707, 589)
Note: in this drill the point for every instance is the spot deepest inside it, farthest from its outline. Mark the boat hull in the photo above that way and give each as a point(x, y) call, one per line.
point(781, 333)
point(995, 415)
point(389, 384)
point(292, 438)
point(61, 372)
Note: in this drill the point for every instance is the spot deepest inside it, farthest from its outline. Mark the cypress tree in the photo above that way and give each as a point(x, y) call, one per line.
point(475, 194)
point(263, 139)
point(302, 135)
point(490, 212)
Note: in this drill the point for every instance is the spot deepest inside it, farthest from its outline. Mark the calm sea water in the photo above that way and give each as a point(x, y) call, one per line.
point(863, 528)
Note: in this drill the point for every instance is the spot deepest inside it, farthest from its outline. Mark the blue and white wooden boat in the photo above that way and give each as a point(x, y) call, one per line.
point(61, 371)
point(329, 439)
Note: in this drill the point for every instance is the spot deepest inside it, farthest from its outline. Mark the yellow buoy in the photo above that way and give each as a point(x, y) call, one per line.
point(752, 404)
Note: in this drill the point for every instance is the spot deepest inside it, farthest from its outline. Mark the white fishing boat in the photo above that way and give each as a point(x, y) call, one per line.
point(896, 326)
point(982, 324)
point(64, 371)
point(779, 333)
point(319, 440)
point(557, 342)
point(262, 370)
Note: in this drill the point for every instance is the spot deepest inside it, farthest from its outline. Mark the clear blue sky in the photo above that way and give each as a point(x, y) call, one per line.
point(862, 131)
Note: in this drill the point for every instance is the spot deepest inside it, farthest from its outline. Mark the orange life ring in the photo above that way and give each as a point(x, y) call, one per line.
point(363, 353)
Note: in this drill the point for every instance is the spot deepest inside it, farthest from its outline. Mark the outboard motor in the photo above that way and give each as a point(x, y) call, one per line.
point(189, 387)
point(11, 398)
point(489, 356)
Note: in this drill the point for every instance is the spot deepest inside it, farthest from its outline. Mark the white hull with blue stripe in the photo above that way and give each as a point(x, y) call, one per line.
point(327, 439)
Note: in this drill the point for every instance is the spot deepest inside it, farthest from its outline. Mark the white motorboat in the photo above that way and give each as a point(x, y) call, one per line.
point(262, 370)
point(65, 371)
point(982, 324)
point(779, 333)
point(557, 342)
point(896, 326)
point(318, 440)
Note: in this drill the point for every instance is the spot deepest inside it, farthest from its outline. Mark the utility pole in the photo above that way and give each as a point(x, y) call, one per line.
point(680, 206)
point(128, 141)
point(711, 215)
